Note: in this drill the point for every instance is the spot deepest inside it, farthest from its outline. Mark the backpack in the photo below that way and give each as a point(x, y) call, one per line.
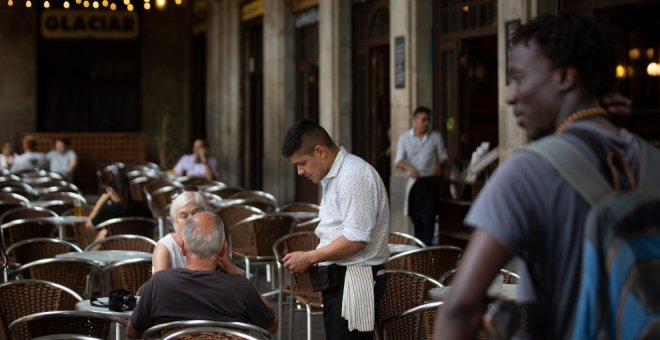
point(619, 295)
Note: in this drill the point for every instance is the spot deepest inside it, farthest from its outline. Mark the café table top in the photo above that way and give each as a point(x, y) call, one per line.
point(106, 257)
point(508, 292)
point(87, 306)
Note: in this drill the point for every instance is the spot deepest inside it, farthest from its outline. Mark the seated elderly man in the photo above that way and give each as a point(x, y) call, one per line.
point(198, 291)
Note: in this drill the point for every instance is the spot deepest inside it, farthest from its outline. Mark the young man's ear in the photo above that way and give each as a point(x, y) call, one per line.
point(320, 151)
point(567, 78)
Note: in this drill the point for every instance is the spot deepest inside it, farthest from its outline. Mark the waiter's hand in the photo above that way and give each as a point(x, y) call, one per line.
point(297, 261)
point(437, 170)
point(413, 172)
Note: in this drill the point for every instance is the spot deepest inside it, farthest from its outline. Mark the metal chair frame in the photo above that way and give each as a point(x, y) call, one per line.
point(94, 269)
point(43, 212)
point(431, 306)
point(409, 238)
point(17, 224)
point(128, 237)
point(29, 304)
point(83, 318)
point(72, 247)
point(300, 206)
point(155, 331)
point(444, 278)
point(407, 260)
point(257, 195)
point(117, 222)
point(68, 197)
point(194, 332)
point(279, 247)
point(108, 272)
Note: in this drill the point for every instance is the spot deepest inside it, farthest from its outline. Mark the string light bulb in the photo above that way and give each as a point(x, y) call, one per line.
point(28, 4)
point(113, 7)
point(178, 2)
point(105, 3)
point(95, 4)
point(66, 5)
point(147, 6)
point(86, 4)
point(129, 7)
point(46, 4)
point(160, 4)
point(10, 3)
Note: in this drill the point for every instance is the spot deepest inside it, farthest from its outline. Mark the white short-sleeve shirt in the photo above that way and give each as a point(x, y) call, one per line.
point(355, 204)
point(421, 154)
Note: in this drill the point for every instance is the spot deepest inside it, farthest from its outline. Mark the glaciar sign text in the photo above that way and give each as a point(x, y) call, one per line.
point(85, 24)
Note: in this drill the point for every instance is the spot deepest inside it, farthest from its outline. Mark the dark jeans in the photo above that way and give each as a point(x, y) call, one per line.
point(424, 228)
point(336, 327)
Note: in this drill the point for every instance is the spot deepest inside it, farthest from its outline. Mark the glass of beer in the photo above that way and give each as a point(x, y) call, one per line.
point(77, 208)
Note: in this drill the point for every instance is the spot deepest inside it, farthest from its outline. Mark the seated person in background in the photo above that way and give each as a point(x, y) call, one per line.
point(198, 291)
point(197, 164)
point(7, 154)
point(29, 160)
point(116, 202)
point(63, 160)
point(169, 250)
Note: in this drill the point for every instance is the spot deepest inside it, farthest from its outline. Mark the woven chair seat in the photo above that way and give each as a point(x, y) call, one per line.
point(65, 322)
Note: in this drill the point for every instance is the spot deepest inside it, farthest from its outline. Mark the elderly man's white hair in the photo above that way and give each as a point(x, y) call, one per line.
point(201, 242)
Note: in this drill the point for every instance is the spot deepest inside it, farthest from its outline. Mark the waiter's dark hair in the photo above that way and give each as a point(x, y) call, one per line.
point(303, 136)
point(421, 109)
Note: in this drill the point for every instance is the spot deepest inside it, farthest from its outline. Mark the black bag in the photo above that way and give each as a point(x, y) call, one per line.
point(120, 300)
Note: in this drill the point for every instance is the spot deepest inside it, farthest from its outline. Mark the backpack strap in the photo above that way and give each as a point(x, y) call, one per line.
point(649, 166)
point(573, 166)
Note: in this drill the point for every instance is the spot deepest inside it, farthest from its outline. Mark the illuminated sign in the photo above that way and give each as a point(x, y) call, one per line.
point(84, 24)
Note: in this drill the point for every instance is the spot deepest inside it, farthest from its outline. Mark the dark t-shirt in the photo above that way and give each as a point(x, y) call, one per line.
point(183, 294)
point(112, 210)
point(536, 215)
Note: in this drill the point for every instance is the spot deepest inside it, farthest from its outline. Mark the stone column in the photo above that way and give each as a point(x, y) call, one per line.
point(279, 94)
point(510, 135)
point(18, 66)
point(335, 76)
point(223, 88)
point(413, 21)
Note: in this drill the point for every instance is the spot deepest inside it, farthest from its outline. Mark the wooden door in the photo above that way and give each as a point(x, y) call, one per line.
point(252, 122)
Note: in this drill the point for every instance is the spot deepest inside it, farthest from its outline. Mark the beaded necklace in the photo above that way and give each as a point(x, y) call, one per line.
point(581, 115)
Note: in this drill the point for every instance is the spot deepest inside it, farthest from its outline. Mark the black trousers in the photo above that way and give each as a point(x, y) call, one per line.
point(336, 327)
point(424, 228)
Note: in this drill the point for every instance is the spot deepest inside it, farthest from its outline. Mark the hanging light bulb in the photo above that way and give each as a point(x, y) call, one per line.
point(66, 5)
point(113, 7)
point(178, 2)
point(86, 4)
point(147, 6)
point(129, 7)
point(79, 2)
point(160, 4)
point(105, 3)
point(95, 4)
point(10, 3)
point(28, 4)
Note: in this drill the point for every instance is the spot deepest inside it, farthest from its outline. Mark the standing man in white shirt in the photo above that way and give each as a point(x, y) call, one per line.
point(63, 159)
point(354, 229)
point(421, 153)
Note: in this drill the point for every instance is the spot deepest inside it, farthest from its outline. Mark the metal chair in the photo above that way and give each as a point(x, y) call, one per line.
point(20, 230)
point(124, 242)
point(300, 206)
point(230, 215)
point(63, 187)
point(404, 291)
point(34, 249)
point(158, 331)
point(307, 225)
point(225, 192)
point(198, 181)
point(398, 326)
point(397, 237)
point(127, 274)
point(256, 195)
point(157, 201)
point(202, 333)
point(259, 250)
point(20, 189)
point(84, 323)
point(129, 226)
point(508, 277)
point(431, 261)
point(301, 286)
point(155, 184)
point(68, 197)
point(9, 197)
point(66, 337)
point(80, 232)
point(75, 274)
point(21, 213)
point(25, 297)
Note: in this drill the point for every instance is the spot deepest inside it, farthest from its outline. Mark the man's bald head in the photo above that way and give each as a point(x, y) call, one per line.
point(204, 235)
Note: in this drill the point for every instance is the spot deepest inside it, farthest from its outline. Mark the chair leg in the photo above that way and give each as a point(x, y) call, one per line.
point(279, 300)
point(292, 301)
point(309, 321)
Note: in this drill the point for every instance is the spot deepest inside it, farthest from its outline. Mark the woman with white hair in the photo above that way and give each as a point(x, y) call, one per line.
point(169, 251)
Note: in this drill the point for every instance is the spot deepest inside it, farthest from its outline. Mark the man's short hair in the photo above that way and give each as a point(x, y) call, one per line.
point(303, 136)
point(204, 245)
point(575, 40)
point(29, 143)
point(421, 109)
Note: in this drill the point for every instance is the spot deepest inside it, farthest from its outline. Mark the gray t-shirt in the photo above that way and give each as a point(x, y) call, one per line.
point(529, 208)
point(60, 162)
point(184, 294)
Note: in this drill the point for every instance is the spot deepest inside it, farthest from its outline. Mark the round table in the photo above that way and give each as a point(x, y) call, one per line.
point(106, 257)
point(87, 305)
point(508, 292)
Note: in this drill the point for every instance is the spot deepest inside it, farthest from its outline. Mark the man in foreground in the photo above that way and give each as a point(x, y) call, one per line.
point(559, 69)
point(199, 291)
point(354, 230)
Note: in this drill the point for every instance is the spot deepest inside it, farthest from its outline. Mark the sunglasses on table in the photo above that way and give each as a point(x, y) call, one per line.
point(189, 188)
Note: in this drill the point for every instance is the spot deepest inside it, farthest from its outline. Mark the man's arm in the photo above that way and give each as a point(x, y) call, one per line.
point(403, 165)
point(462, 313)
point(72, 164)
point(340, 248)
point(131, 332)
